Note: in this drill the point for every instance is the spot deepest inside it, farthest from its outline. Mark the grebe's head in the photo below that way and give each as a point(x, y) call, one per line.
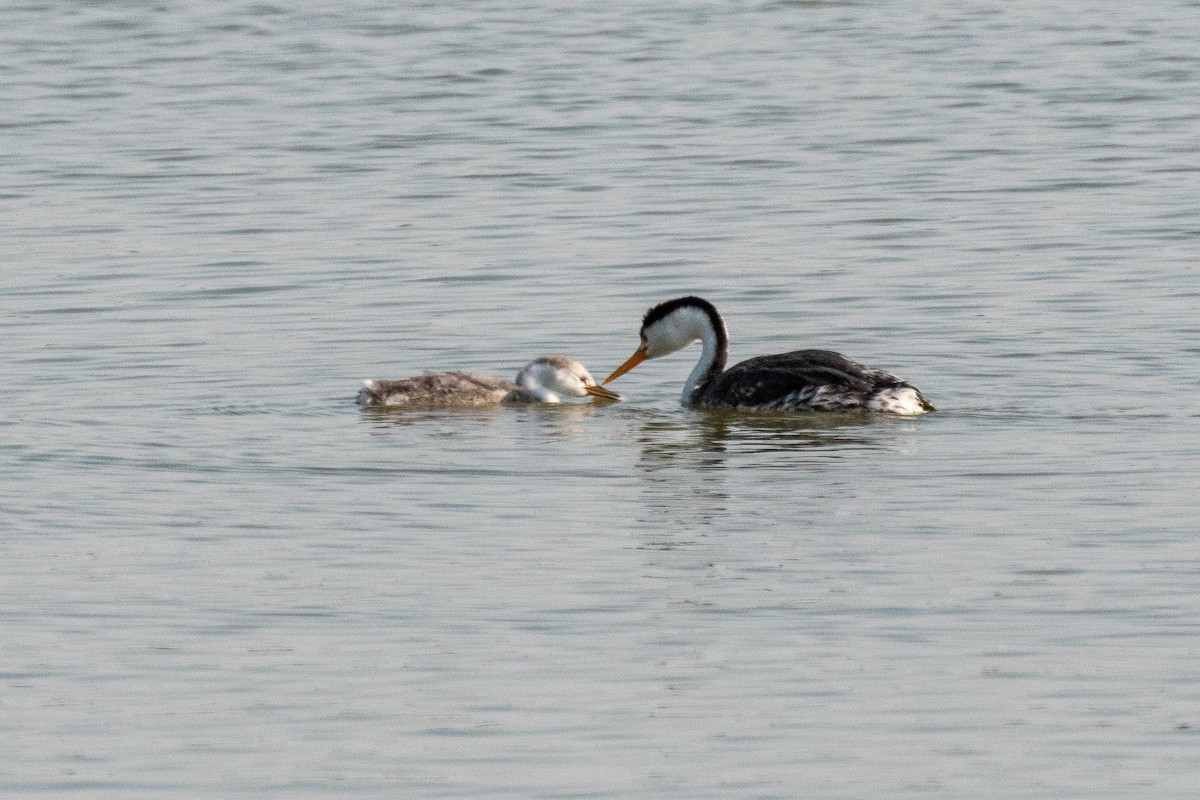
point(551, 376)
point(672, 326)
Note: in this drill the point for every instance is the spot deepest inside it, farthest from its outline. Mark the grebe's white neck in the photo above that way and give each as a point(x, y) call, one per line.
point(704, 366)
point(685, 321)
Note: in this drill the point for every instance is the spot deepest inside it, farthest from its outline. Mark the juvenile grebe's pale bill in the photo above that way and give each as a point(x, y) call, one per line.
point(597, 390)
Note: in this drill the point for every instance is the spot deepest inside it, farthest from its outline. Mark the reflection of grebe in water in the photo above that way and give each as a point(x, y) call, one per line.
point(716, 438)
point(704, 466)
point(803, 380)
point(544, 380)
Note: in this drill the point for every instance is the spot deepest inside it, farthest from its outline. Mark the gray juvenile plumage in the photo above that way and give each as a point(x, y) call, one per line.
point(437, 389)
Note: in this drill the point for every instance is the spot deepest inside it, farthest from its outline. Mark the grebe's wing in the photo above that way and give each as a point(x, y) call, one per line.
point(765, 380)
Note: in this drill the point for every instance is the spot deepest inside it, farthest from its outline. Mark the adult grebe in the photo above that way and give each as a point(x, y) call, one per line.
point(542, 380)
point(804, 380)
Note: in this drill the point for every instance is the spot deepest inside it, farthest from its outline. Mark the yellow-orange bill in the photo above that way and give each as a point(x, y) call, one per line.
point(638, 357)
point(600, 391)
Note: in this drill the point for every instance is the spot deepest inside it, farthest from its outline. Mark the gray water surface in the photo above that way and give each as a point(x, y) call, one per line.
point(220, 578)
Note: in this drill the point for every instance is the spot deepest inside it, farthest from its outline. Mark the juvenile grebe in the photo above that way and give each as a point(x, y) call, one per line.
point(542, 380)
point(804, 380)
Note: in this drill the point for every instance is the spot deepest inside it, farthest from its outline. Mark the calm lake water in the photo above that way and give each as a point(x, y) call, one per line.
point(219, 578)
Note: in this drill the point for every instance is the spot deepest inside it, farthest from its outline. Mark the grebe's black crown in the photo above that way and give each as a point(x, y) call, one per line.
point(664, 309)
